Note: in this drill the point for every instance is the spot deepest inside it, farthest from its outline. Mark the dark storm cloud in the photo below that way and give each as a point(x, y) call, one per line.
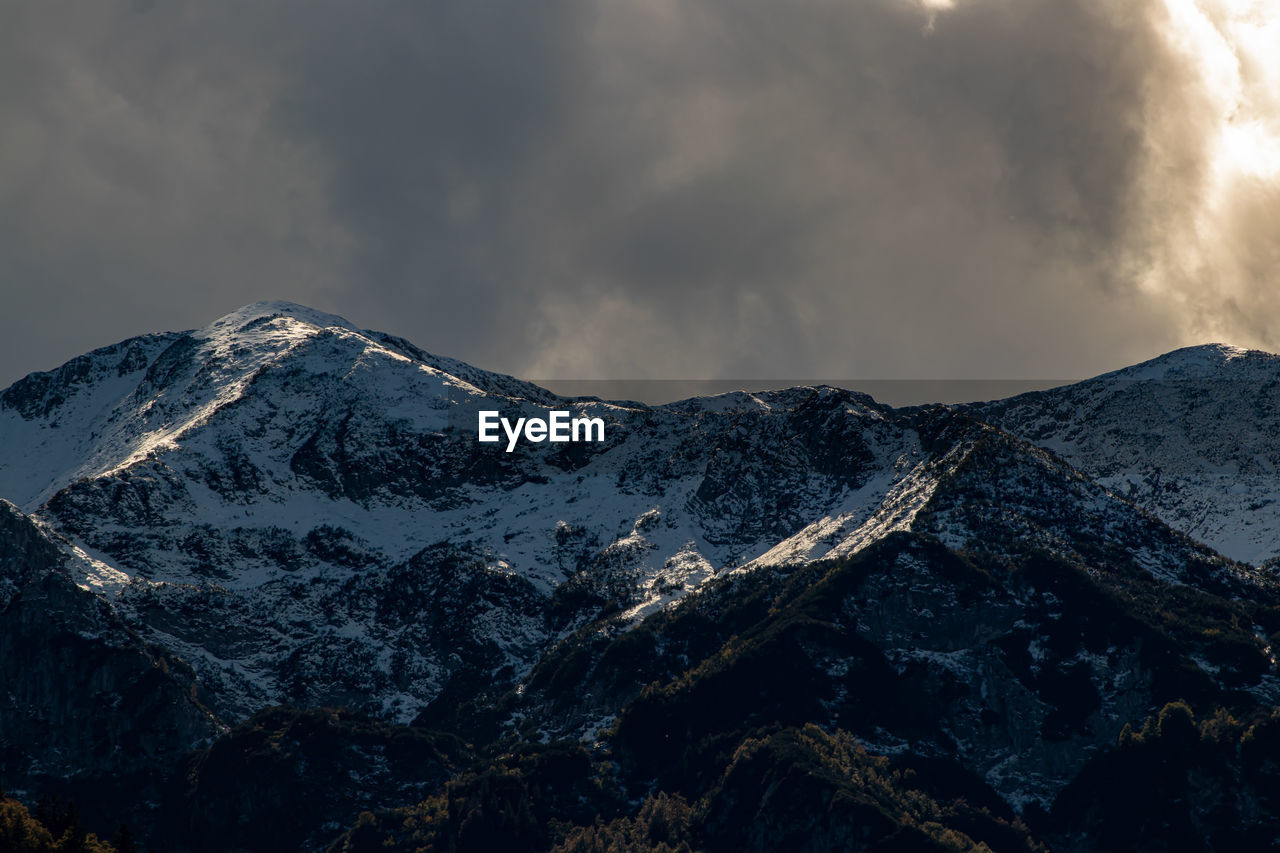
point(141, 187)
point(434, 115)
point(862, 189)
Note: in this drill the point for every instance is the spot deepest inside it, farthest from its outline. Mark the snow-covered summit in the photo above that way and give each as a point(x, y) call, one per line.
point(118, 405)
point(300, 476)
point(270, 309)
point(1205, 361)
point(1193, 436)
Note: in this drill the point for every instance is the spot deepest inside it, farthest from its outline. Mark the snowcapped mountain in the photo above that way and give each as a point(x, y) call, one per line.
point(993, 581)
point(987, 480)
point(1193, 436)
point(285, 501)
point(283, 509)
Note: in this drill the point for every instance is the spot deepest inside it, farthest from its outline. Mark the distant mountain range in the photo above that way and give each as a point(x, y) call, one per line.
point(796, 619)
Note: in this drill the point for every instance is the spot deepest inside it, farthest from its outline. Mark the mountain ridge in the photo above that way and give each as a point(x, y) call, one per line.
point(1191, 437)
point(283, 509)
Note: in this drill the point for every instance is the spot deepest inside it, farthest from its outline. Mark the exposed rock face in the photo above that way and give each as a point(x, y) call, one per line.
point(84, 695)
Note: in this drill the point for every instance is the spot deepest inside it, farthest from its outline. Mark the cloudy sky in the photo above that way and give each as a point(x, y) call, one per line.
point(651, 189)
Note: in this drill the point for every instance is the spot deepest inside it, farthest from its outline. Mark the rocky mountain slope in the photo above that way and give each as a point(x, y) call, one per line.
point(281, 509)
point(286, 502)
point(1193, 436)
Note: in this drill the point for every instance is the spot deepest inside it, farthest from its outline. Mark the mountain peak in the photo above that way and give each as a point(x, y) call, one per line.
point(1203, 361)
point(259, 311)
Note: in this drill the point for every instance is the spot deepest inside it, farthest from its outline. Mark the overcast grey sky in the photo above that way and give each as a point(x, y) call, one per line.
point(650, 188)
